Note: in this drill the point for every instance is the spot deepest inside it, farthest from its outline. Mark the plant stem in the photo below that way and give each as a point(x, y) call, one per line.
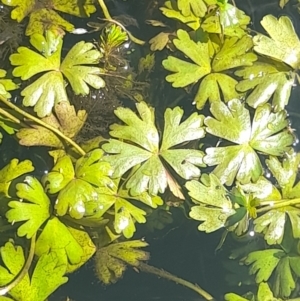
point(279, 204)
point(161, 273)
point(109, 18)
point(43, 124)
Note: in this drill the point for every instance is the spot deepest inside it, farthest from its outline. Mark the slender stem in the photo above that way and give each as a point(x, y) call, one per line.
point(109, 18)
point(43, 124)
point(280, 204)
point(9, 116)
point(8, 287)
point(161, 273)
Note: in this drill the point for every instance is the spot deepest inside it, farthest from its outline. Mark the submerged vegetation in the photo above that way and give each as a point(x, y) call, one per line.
point(191, 117)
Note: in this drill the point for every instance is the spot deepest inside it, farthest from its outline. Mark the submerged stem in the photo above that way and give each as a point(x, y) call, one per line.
point(161, 273)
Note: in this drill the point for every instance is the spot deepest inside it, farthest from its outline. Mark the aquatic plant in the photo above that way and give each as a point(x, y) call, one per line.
point(96, 191)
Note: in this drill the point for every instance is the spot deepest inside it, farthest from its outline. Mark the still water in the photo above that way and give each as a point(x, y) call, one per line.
point(180, 249)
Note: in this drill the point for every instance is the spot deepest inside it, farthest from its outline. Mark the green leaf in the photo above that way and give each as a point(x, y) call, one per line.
point(171, 11)
point(234, 297)
point(285, 172)
point(214, 87)
point(284, 282)
point(214, 83)
point(6, 85)
point(111, 261)
point(139, 147)
point(75, 70)
point(283, 3)
point(61, 174)
point(283, 44)
point(185, 72)
point(126, 214)
point(73, 248)
point(263, 263)
point(50, 88)
point(233, 53)
point(40, 285)
point(77, 189)
point(44, 17)
point(265, 81)
point(12, 171)
point(233, 20)
point(214, 207)
point(233, 123)
point(33, 207)
point(197, 7)
point(264, 293)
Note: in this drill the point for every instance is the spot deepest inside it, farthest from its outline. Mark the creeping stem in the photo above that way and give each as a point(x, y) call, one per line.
point(6, 288)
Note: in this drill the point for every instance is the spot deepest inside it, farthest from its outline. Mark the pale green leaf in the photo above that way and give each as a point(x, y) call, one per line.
point(265, 81)
point(216, 87)
point(139, 147)
point(285, 172)
point(75, 70)
point(283, 44)
point(45, 92)
point(214, 206)
point(233, 123)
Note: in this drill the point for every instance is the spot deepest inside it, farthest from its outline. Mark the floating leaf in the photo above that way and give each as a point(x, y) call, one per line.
point(139, 146)
point(73, 248)
point(196, 7)
point(283, 44)
point(232, 54)
point(33, 207)
point(77, 187)
point(227, 20)
point(214, 207)
point(6, 85)
point(12, 171)
point(111, 261)
point(126, 214)
point(266, 81)
point(49, 89)
point(233, 123)
point(43, 16)
point(40, 285)
point(171, 11)
point(272, 223)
